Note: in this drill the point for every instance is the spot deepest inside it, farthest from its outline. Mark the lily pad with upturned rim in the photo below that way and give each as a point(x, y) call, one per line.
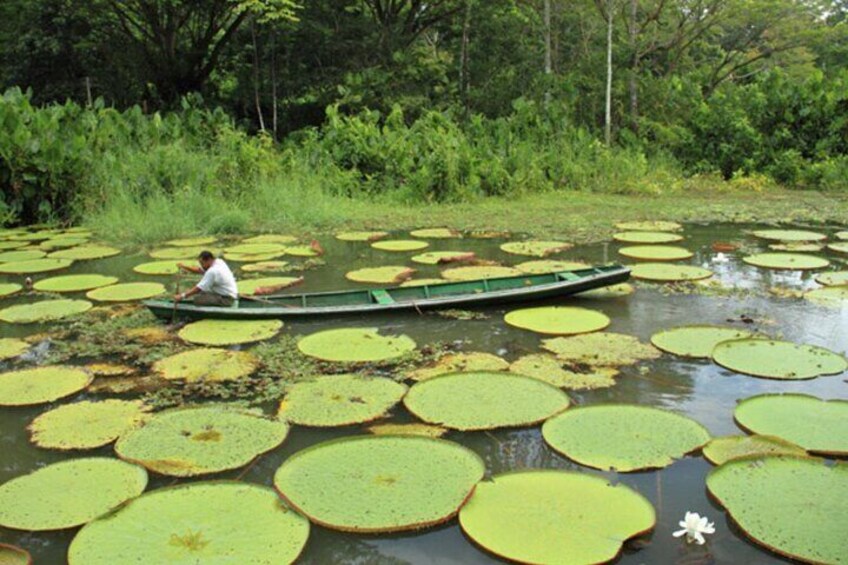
point(176, 253)
point(21, 255)
point(63, 242)
point(44, 311)
point(312, 250)
point(192, 241)
point(8, 289)
point(442, 257)
point(479, 272)
point(252, 286)
point(535, 247)
point(207, 364)
point(283, 239)
point(773, 359)
point(435, 233)
point(361, 235)
point(413, 429)
point(543, 266)
point(251, 257)
point(789, 235)
point(265, 267)
point(8, 245)
point(839, 247)
point(229, 332)
point(649, 225)
point(14, 555)
point(354, 345)
point(40, 385)
point(656, 252)
point(380, 275)
point(380, 483)
point(797, 247)
point(601, 349)
point(549, 369)
point(126, 292)
point(786, 261)
point(422, 282)
point(87, 424)
point(664, 272)
point(74, 283)
point(162, 268)
point(461, 362)
point(400, 245)
point(834, 296)
point(558, 320)
point(256, 249)
point(647, 237)
point(695, 341)
point(35, 266)
point(85, 252)
point(11, 347)
point(833, 278)
point(720, 450)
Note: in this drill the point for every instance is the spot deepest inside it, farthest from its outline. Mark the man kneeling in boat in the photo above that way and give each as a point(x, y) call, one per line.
point(218, 285)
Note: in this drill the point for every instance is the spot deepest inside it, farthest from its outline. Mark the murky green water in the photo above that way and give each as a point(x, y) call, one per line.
point(698, 389)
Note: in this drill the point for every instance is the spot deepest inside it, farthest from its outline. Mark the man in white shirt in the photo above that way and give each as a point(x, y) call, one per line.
point(218, 285)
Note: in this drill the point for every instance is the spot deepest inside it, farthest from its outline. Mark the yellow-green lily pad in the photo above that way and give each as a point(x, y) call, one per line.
point(797, 247)
point(229, 332)
point(21, 255)
point(266, 285)
point(176, 253)
point(435, 233)
point(192, 241)
point(664, 272)
point(535, 247)
point(477, 272)
point(8, 289)
point(85, 252)
point(207, 364)
point(786, 261)
point(14, 555)
point(361, 235)
point(656, 252)
point(7, 245)
point(557, 320)
point(649, 225)
point(271, 238)
point(413, 429)
point(126, 292)
point(250, 257)
point(602, 349)
point(34, 266)
point(789, 235)
point(381, 275)
point(11, 347)
point(44, 311)
point(773, 359)
point(265, 267)
point(87, 424)
point(465, 361)
point(312, 250)
point(400, 245)
point(74, 283)
point(442, 257)
point(647, 237)
point(354, 345)
point(256, 249)
point(549, 266)
point(839, 247)
point(422, 282)
point(720, 450)
point(695, 341)
point(166, 267)
point(833, 278)
point(834, 296)
point(40, 385)
point(549, 369)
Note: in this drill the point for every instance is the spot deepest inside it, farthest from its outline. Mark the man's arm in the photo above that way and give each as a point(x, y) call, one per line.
point(187, 294)
point(190, 268)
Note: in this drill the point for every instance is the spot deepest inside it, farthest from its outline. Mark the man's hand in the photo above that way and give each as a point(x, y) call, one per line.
point(178, 297)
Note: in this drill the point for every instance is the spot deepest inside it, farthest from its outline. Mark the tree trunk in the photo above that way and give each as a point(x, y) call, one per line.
point(548, 58)
point(634, 68)
point(464, 78)
point(274, 107)
point(256, 77)
point(608, 106)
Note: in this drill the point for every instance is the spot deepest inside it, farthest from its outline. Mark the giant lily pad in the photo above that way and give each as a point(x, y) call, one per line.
point(794, 506)
point(271, 238)
point(265, 285)
point(126, 292)
point(361, 235)
point(63, 242)
point(413, 429)
point(85, 252)
point(74, 283)
point(646, 237)
point(41, 385)
point(435, 233)
point(167, 267)
point(819, 426)
point(422, 282)
point(656, 252)
point(623, 437)
point(547, 516)
point(207, 364)
point(603, 349)
point(12, 347)
point(44, 311)
point(550, 266)
point(535, 248)
point(186, 442)
point(720, 450)
point(8, 289)
point(466, 361)
point(695, 341)
point(774, 359)
point(379, 483)
point(86, 425)
point(833, 278)
point(649, 225)
point(442, 257)
point(251, 257)
point(13, 555)
point(256, 249)
point(400, 245)
point(21, 255)
point(483, 400)
point(355, 345)
point(265, 267)
point(786, 261)
point(663, 272)
point(835, 296)
point(69, 493)
point(789, 235)
point(229, 332)
point(7, 245)
point(841, 235)
point(34, 266)
point(550, 369)
point(839, 247)
point(381, 275)
point(195, 523)
point(611, 291)
point(339, 400)
point(797, 247)
point(314, 249)
point(192, 241)
point(176, 253)
point(557, 320)
point(479, 272)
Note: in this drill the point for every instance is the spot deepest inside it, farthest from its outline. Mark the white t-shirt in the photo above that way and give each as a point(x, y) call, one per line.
point(219, 279)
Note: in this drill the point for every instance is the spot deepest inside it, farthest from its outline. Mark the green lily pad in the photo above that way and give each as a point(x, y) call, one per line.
point(379, 483)
point(772, 359)
point(229, 332)
point(87, 425)
point(602, 349)
point(798, 247)
point(381, 275)
point(7, 245)
point(195, 523)
point(720, 450)
point(34, 266)
point(339, 400)
point(834, 296)
point(557, 320)
point(21, 255)
point(794, 506)
point(549, 266)
point(69, 493)
point(399, 245)
point(442, 257)
point(265, 267)
point(466, 361)
point(312, 250)
point(8, 289)
point(74, 283)
point(819, 426)
point(192, 241)
point(833, 278)
point(551, 370)
point(63, 242)
point(266, 284)
point(484, 401)
point(479, 272)
point(176, 253)
point(647, 237)
point(14, 555)
point(843, 235)
point(649, 225)
point(361, 235)
point(548, 516)
point(623, 437)
point(656, 252)
point(41, 385)
point(611, 291)
point(695, 341)
point(422, 282)
point(85, 252)
point(12, 347)
point(355, 345)
point(186, 442)
point(435, 233)
point(663, 272)
point(839, 247)
point(126, 292)
point(535, 248)
point(207, 364)
point(789, 235)
point(786, 261)
point(167, 267)
point(256, 248)
point(251, 257)
point(271, 238)
point(414, 429)
point(44, 311)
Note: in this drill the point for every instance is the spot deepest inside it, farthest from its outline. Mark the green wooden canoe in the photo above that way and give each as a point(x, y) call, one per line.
point(445, 295)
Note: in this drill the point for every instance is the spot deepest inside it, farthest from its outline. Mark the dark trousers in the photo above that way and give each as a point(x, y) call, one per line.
point(212, 299)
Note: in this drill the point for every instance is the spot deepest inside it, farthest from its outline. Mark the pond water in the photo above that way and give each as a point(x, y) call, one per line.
point(695, 388)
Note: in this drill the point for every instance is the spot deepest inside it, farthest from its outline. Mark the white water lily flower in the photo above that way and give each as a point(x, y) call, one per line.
point(695, 526)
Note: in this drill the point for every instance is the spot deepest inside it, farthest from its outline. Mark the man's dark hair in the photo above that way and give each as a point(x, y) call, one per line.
point(206, 256)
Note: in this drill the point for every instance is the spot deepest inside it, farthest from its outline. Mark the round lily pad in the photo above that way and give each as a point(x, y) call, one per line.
point(176, 253)
point(798, 247)
point(34, 266)
point(339, 400)
point(611, 291)
point(167, 267)
point(251, 257)
point(535, 248)
point(656, 252)
point(379, 483)
point(8, 289)
point(557, 320)
point(772, 359)
point(695, 341)
point(74, 283)
point(14, 555)
point(355, 345)
point(271, 238)
point(413, 429)
point(400, 245)
point(551, 370)
point(466, 361)
point(442, 257)
point(647, 237)
point(623, 437)
point(264, 285)
point(41, 385)
point(207, 364)
point(6, 245)
point(786, 261)
point(44, 311)
point(422, 282)
point(794, 506)
point(649, 225)
point(842, 235)
point(479, 272)
point(663, 272)
point(839, 247)
point(361, 235)
point(126, 292)
point(484, 400)
point(86, 425)
point(192, 241)
point(819, 426)
point(69, 493)
point(549, 266)
point(85, 252)
point(21, 255)
point(312, 250)
point(229, 332)
point(789, 235)
point(63, 242)
point(12, 347)
point(835, 296)
point(195, 523)
point(265, 267)
point(256, 248)
point(435, 233)
point(602, 349)
point(186, 442)
point(547, 516)
point(720, 450)
point(381, 275)
point(832, 278)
